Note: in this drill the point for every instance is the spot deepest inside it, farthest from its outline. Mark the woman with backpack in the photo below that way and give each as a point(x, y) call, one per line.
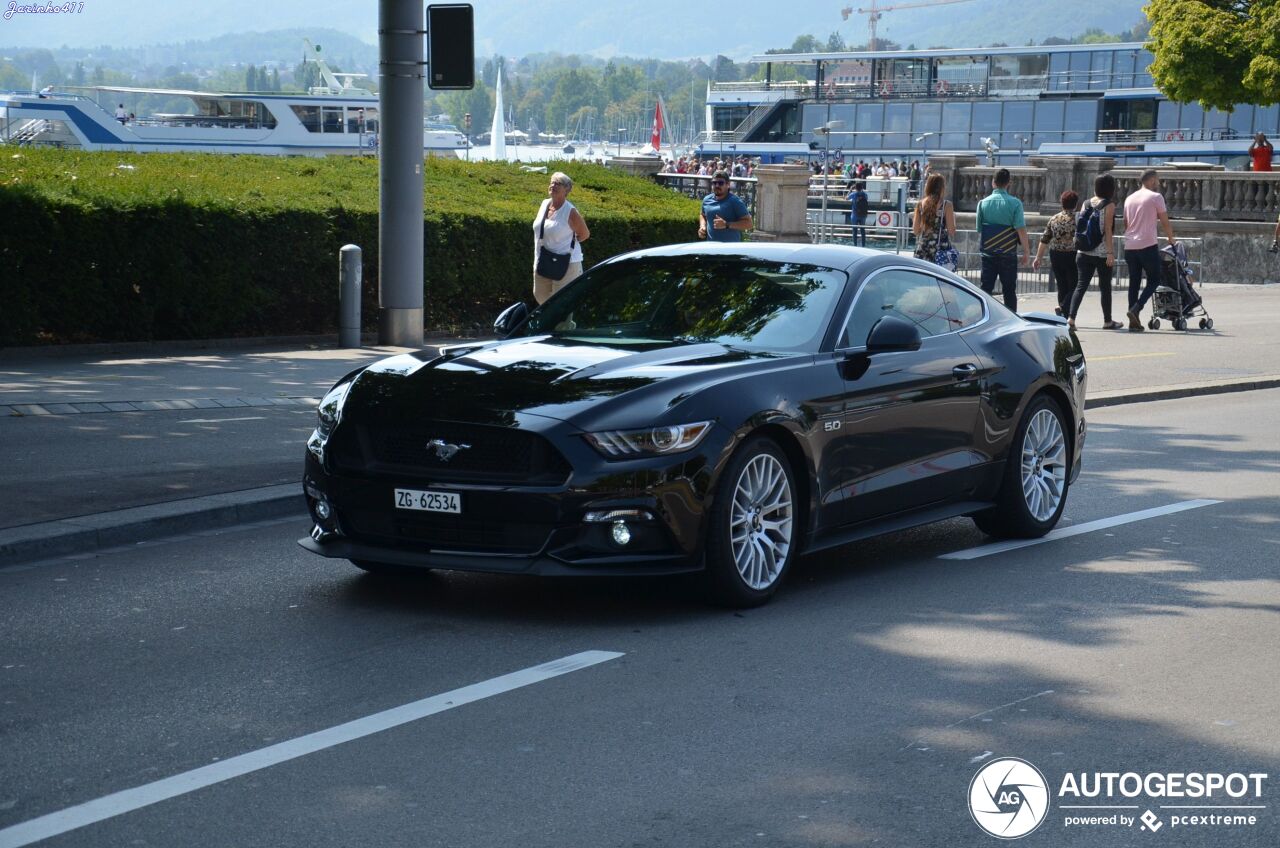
point(934, 225)
point(1060, 240)
point(1096, 248)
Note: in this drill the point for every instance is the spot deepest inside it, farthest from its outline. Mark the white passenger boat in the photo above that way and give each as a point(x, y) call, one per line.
point(335, 118)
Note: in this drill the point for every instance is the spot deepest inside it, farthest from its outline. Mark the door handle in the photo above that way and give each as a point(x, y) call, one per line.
point(965, 371)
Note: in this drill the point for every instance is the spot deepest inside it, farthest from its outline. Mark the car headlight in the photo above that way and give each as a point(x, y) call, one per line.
point(651, 441)
point(329, 412)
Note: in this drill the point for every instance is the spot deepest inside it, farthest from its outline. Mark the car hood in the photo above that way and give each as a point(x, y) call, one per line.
point(555, 378)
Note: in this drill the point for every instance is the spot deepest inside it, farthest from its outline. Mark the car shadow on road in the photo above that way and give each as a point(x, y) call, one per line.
point(882, 676)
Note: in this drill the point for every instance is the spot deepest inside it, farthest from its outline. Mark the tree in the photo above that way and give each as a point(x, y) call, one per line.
point(1216, 52)
point(251, 79)
point(1094, 35)
point(78, 75)
point(275, 79)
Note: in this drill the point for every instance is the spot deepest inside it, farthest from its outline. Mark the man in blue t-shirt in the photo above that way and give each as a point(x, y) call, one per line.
point(724, 216)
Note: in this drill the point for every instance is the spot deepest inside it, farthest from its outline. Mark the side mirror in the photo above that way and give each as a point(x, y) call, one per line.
point(510, 318)
point(891, 333)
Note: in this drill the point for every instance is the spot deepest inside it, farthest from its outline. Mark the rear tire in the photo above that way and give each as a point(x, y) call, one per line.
point(752, 531)
point(1033, 491)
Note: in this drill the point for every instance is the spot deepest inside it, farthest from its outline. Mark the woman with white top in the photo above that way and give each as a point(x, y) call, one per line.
point(559, 228)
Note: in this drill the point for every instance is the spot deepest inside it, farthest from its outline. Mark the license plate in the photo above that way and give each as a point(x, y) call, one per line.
point(428, 501)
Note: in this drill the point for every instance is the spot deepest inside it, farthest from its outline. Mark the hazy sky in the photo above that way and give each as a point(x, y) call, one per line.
point(665, 29)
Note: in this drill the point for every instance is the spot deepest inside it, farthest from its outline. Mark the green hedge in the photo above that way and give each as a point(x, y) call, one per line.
point(133, 247)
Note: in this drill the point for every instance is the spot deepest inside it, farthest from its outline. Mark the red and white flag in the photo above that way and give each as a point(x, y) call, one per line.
point(655, 138)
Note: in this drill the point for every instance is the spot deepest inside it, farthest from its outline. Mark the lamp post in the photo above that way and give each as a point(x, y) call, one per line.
point(621, 130)
point(1022, 143)
point(924, 139)
point(992, 148)
point(825, 130)
point(466, 125)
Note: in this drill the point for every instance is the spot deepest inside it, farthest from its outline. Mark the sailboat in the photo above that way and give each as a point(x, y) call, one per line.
point(499, 128)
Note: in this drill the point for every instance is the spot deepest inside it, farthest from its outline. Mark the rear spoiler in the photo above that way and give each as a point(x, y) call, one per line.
point(1044, 318)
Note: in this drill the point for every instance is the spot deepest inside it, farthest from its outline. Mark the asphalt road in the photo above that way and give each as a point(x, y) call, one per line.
point(60, 466)
point(69, 465)
point(853, 710)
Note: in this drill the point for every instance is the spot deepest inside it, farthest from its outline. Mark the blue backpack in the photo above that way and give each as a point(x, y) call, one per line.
point(1088, 228)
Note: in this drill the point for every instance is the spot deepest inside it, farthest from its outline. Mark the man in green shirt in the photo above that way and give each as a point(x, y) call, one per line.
point(1002, 227)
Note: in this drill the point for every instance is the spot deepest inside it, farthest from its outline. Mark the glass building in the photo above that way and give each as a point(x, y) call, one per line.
point(1087, 100)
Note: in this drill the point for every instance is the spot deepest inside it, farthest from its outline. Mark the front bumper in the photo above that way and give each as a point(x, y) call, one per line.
point(516, 529)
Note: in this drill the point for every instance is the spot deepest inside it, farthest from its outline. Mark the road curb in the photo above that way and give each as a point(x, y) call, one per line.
point(1220, 387)
point(90, 533)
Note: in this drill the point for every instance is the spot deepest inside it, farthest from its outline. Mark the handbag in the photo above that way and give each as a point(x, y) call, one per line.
point(553, 265)
point(946, 256)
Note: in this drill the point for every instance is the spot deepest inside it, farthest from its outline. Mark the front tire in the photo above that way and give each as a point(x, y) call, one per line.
point(1033, 492)
point(752, 530)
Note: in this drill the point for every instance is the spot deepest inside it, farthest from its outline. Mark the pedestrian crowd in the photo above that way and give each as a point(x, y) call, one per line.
point(1079, 241)
point(741, 166)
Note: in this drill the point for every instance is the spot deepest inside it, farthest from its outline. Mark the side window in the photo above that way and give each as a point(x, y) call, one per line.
point(904, 294)
point(963, 308)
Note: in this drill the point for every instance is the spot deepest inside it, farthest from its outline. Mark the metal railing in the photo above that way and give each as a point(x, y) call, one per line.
point(698, 187)
point(900, 240)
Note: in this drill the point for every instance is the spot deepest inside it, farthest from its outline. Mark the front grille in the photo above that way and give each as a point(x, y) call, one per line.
point(494, 454)
point(446, 532)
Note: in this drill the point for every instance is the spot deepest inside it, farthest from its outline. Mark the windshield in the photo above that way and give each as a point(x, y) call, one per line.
point(736, 301)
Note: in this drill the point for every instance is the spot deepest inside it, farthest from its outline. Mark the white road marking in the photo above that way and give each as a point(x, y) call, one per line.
point(128, 800)
point(1077, 529)
point(220, 420)
point(921, 740)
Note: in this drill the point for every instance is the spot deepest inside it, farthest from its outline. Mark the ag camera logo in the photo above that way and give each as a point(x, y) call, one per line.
point(1008, 798)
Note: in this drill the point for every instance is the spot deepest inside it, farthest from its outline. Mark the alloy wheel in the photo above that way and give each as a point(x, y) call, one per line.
point(760, 521)
point(1044, 465)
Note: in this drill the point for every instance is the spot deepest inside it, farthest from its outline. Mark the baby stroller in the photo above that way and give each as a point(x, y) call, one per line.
point(1176, 299)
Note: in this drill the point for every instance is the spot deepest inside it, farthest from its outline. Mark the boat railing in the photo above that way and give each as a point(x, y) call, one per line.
point(983, 85)
point(1167, 135)
point(788, 89)
point(60, 95)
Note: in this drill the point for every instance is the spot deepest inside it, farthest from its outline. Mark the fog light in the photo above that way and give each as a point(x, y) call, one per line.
point(621, 533)
point(323, 510)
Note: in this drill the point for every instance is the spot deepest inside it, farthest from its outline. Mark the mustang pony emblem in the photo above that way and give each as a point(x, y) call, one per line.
point(445, 451)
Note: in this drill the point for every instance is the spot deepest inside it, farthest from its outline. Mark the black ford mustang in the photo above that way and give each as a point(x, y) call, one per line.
point(717, 408)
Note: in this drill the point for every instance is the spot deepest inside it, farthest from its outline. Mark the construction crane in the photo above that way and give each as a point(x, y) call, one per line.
point(874, 11)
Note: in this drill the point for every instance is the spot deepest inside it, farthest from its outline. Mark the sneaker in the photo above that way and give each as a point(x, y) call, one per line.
point(1112, 325)
point(1135, 325)
point(1071, 322)
point(1274, 248)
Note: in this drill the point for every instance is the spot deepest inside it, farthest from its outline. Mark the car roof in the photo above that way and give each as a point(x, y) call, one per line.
point(826, 255)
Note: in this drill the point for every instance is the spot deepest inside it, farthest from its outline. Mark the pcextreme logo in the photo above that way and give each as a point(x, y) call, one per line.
point(1009, 798)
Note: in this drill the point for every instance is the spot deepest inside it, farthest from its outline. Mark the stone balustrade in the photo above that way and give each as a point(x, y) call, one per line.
point(1210, 195)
